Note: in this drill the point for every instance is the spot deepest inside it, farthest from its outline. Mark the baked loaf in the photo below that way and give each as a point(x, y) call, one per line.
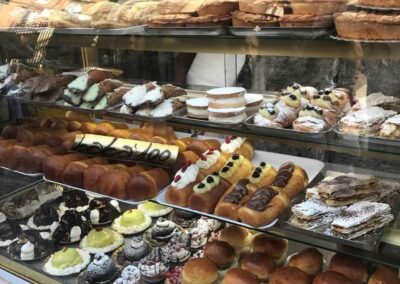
point(54, 166)
point(92, 175)
point(319, 7)
point(274, 247)
point(113, 183)
point(350, 267)
point(199, 271)
point(242, 19)
point(331, 277)
point(360, 25)
point(219, 252)
point(259, 264)
point(239, 276)
point(309, 260)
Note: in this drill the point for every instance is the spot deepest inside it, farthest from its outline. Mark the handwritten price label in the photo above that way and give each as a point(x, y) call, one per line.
point(128, 150)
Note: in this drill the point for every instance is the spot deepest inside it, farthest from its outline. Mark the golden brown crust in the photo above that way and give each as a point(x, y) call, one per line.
point(384, 275)
point(218, 7)
point(318, 7)
point(272, 246)
point(289, 275)
point(381, 4)
point(219, 252)
point(242, 19)
point(288, 21)
point(265, 7)
point(199, 270)
point(331, 277)
point(168, 20)
point(239, 276)
point(350, 267)
point(208, 20)
point(309, 260)
point(258, 264)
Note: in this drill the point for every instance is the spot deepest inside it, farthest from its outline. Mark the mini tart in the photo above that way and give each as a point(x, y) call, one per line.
point(131, 222)
point(368, 26)
point(153, 209)
point(66, 262)
point(242, 19)
point(304, 21)
point(101, 240)
point(318, 7)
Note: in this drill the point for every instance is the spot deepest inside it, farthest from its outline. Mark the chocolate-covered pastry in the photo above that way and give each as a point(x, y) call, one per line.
point(9, 230)
point(31, 245)
point(261, 198)
point(101, 270)
point(21, 206)
point(133, 251)
point(183, 218)
point(72, 227)
point(283, 175)
point(75, 200)
point(102, 211)
point(44, 218)
point(161, 232)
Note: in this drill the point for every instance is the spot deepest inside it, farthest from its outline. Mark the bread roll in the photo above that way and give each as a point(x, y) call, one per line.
point(54, 166)
point(88, 127)
point(239, 276)
point(4, 146)
point(383, 275)
point(16, 157)
point(332, 277)
point(238, 237)
point(122, 133)
point(237, 195)
point(207, 193)
point(73, 173)
point(201, 146)
point(136, 169)
point(221, 253)
point(350, 267)
point(113, 183)
point(74, 125)
point(39, 155)
point(147, 184)
point(10, 131)
point(104, 128)
point(289, 275)
point(309, 260)
point(259, 264)
point(199, 271)
point(273, 246)
point(92, 175)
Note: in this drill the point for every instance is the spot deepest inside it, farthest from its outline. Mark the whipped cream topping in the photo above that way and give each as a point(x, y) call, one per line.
point(185, 176)
point(45, 235)
point(115, 204)
point(75, 234)
point(95, 216)
point(232, 144)
point(28, 251)
point(197, 102)
point(227, 110)
point(208, 159)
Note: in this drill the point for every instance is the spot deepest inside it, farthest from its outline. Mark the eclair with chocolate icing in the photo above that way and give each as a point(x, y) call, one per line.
point(237, 195)
point(267, 203)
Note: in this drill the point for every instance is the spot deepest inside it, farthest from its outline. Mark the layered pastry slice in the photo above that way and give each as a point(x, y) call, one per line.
point(347, 189)
point(391, 128)
point(313, 213)
point(361, 218)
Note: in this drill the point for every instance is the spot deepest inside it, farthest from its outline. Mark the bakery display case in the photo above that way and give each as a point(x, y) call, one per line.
point(200, 141)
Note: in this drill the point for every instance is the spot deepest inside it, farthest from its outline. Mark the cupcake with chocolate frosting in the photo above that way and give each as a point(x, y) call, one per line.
point(161, 232)
point(9, 230)
point(132, 252)
point(102, 270)
point(44, 218)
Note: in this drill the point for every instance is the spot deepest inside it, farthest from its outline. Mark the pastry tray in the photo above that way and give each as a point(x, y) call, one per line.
point(36, 265)
point(181, 116)
point(93, 192)
point(114, 110)
point(135, 30)
point(283, 33)
point(368, 241)
point(287, 132)
point(336, 37)
point(185, 31)
point(374, 143)
point(22, 173)
point(312, 167)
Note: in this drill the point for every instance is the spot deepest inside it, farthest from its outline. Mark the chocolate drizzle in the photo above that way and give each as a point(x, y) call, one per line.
point(284, 174)
point(261, 198)
point(238, 192)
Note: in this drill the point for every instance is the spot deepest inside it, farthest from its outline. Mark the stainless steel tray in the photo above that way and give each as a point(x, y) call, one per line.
point(368, 142)
point(181, 116)
point(282, 33)
point(25, 100)
point(22, 173)
point(322, 137)
point(114, 110)
point(312, 167)
point(136, 30)
point(185, 31)
point(92, 192)
point(368, 241)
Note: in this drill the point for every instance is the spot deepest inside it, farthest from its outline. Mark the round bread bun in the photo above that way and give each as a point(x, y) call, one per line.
point(259, 264)
point(384, 275)
point(309, 260)
point(219, 252)
point(332, 277)
point(237, 237)
point(199, 271)
point(289, 275)
point(273, 246)
point(350, 267)
point(239, 276)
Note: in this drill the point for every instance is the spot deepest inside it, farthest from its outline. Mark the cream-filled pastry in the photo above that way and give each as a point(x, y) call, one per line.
point(237, 145)
point(391, 127)
point(262, 175)
point(132, 221)
point(101, 240)
point(310, 120)
point(66, 262)
point(210, 161)
point(237, 168)
point(153, 209)
point(291, 99)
